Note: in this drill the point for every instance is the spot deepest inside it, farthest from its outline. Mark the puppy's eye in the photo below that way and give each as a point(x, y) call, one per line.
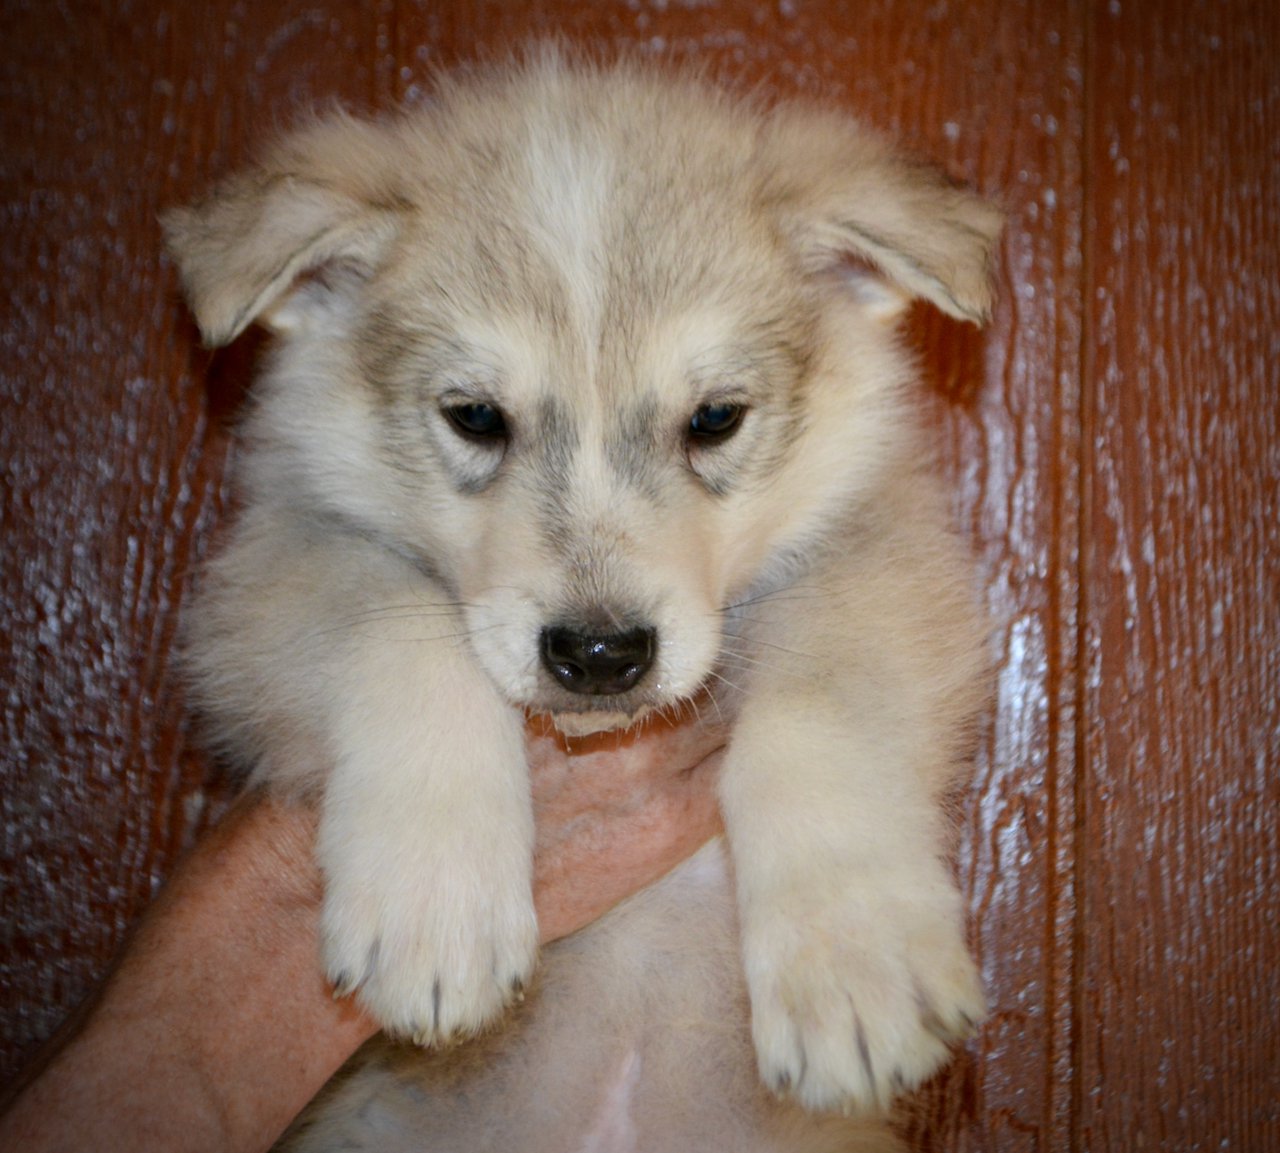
point(477, 421)
point(715, 422)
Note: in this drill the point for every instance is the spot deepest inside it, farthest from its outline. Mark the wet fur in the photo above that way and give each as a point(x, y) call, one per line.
point(599, 252)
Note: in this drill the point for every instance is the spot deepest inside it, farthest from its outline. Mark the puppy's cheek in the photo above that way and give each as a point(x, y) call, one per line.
point(506, 646)
point(690, 647)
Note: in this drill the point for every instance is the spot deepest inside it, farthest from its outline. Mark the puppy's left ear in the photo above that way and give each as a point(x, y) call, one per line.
point(846, 196)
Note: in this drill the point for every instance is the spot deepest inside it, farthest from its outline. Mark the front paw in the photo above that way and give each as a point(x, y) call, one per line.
point(433, 958)
point(857, 995)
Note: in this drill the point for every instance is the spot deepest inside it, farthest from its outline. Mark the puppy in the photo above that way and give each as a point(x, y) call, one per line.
point(586, 401)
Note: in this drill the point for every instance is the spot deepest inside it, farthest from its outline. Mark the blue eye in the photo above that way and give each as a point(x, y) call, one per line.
point(716, 421)
point(478, 421)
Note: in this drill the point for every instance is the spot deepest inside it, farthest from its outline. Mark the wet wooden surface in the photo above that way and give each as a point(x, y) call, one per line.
point(1113, 439)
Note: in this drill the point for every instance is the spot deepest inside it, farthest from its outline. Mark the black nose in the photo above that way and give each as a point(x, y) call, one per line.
point(599, 664)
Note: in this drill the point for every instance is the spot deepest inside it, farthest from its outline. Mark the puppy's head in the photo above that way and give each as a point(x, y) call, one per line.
point(604, 351)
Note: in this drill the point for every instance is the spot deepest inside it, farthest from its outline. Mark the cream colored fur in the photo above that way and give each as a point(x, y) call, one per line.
point(600, 253)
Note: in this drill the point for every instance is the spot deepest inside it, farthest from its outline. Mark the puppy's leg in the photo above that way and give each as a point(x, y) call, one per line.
point(426, 842)
point(852, 925)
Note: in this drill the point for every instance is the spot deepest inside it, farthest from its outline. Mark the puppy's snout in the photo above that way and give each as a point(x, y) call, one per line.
point(598, 664)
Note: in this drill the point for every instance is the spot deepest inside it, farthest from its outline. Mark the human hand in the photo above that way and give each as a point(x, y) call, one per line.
point(615, 812)
point(216, 1027)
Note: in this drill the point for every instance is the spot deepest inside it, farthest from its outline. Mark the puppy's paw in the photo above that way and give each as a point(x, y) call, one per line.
point(433, 958)
point(858, 996)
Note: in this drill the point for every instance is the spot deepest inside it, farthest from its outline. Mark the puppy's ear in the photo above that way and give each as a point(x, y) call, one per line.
point(848, 201)
point(320, 199)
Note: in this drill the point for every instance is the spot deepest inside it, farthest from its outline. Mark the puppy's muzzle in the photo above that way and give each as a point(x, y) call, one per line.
point(598, 664)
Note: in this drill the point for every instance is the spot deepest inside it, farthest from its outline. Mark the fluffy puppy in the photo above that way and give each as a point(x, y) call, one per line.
point(586, 401)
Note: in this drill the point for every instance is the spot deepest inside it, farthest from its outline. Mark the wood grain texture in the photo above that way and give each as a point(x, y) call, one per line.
point(1112, 439)
point(1179, 858)
point(107, 488)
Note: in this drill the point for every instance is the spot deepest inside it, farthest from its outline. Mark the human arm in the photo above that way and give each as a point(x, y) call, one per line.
point(217, 1027)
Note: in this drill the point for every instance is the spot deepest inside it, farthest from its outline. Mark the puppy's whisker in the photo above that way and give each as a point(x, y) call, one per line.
point(744, 659)
point(719, 676)
point(369, 620)
point(757, 642)
point(423, 608)
point(787, 595)
point(401, 614)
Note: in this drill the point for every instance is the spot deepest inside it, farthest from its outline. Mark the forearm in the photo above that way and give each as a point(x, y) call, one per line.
point(217, 1026)
point(228, 1028)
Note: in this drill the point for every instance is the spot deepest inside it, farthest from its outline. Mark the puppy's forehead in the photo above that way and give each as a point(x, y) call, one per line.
point(602, 229)
point(612, 268)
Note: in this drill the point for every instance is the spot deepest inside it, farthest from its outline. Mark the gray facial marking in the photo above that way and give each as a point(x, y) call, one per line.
point(553, 441)
point(554, 438)
point(634, 444)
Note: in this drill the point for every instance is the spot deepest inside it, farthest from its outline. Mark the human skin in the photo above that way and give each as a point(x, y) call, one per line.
point(216, 1026)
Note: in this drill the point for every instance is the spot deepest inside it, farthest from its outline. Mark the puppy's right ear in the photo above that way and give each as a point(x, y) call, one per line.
point(243, 249)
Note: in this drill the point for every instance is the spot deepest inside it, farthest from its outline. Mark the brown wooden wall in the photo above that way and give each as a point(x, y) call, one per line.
point(1113, 439)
